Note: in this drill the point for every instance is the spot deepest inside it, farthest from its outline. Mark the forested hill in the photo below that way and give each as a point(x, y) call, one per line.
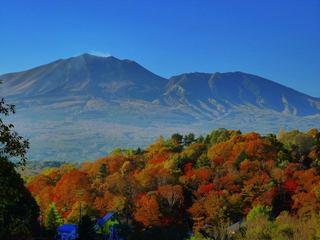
point(202, 185)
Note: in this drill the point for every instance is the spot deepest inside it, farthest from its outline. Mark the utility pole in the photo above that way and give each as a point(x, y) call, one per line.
point(80, 212)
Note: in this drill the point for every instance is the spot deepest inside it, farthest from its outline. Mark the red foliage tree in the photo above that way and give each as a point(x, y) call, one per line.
point(72, 187)
point(147, 210)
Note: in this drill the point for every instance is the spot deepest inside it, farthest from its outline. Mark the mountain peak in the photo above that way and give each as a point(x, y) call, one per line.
point(99, 56)
point(86, 74)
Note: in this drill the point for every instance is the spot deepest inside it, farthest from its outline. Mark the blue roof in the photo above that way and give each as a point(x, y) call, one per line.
point(105, 219)
point(67, 228)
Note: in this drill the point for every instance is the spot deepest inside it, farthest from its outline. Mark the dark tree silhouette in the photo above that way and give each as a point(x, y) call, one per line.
point(86, 228)
point(18, 209)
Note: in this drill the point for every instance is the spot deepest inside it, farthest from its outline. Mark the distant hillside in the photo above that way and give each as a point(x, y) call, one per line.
point(84, 106)
point(220, 92)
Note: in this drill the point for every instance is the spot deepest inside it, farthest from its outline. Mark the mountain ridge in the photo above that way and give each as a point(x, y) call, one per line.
point(110, 77)
point(82, 107)
point(238, 88)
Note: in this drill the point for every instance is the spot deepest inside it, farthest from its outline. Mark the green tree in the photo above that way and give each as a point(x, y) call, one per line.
point(53, 218)
point(176, 141)
point(18, 209)
point(241, 157)
point(86, 228)
point(189, 139)
point(102, 172)
point(220, 135)
point(259, 210)
point(258, 225)
point(200, 139)
point(12, 145)
point(260, 228)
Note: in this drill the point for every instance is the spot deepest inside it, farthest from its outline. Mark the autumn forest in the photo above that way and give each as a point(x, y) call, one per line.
point(225, 185)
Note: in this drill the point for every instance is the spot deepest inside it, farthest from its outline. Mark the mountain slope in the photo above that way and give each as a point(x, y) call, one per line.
point(106, 77)
point(221, 92)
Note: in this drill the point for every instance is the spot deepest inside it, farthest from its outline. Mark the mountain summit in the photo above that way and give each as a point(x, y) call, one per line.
point(87, 75)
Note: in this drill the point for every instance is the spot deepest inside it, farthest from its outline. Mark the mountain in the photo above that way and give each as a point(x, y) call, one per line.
point(83, 107)
point(106, 77)
point(218, 93)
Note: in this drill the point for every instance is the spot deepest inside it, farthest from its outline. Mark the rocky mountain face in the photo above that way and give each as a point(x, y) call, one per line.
point(81, 107)
point(217, 93)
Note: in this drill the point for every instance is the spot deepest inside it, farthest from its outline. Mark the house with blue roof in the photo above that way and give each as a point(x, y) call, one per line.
point(67, 232)
point(102, 221)
point(107, 226)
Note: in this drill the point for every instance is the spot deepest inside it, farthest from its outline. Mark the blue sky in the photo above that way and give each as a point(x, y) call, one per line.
point(279, 40)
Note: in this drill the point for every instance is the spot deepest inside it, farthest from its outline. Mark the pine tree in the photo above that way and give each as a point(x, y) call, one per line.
point(86, 228)
point(102, 172)
point(53, 218)
point(176, 139)
point(189, 139)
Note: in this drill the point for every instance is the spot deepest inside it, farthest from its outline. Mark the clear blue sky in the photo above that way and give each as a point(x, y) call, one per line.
point(276, 39)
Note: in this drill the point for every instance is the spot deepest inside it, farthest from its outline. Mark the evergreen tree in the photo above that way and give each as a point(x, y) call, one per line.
point(200, 139)
point(176, 142)
point(86, 228)
point(139, 151)
point(189, 139)
point(18, 209)
point(176, 139)
point(53, 218)
point(102, 172)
